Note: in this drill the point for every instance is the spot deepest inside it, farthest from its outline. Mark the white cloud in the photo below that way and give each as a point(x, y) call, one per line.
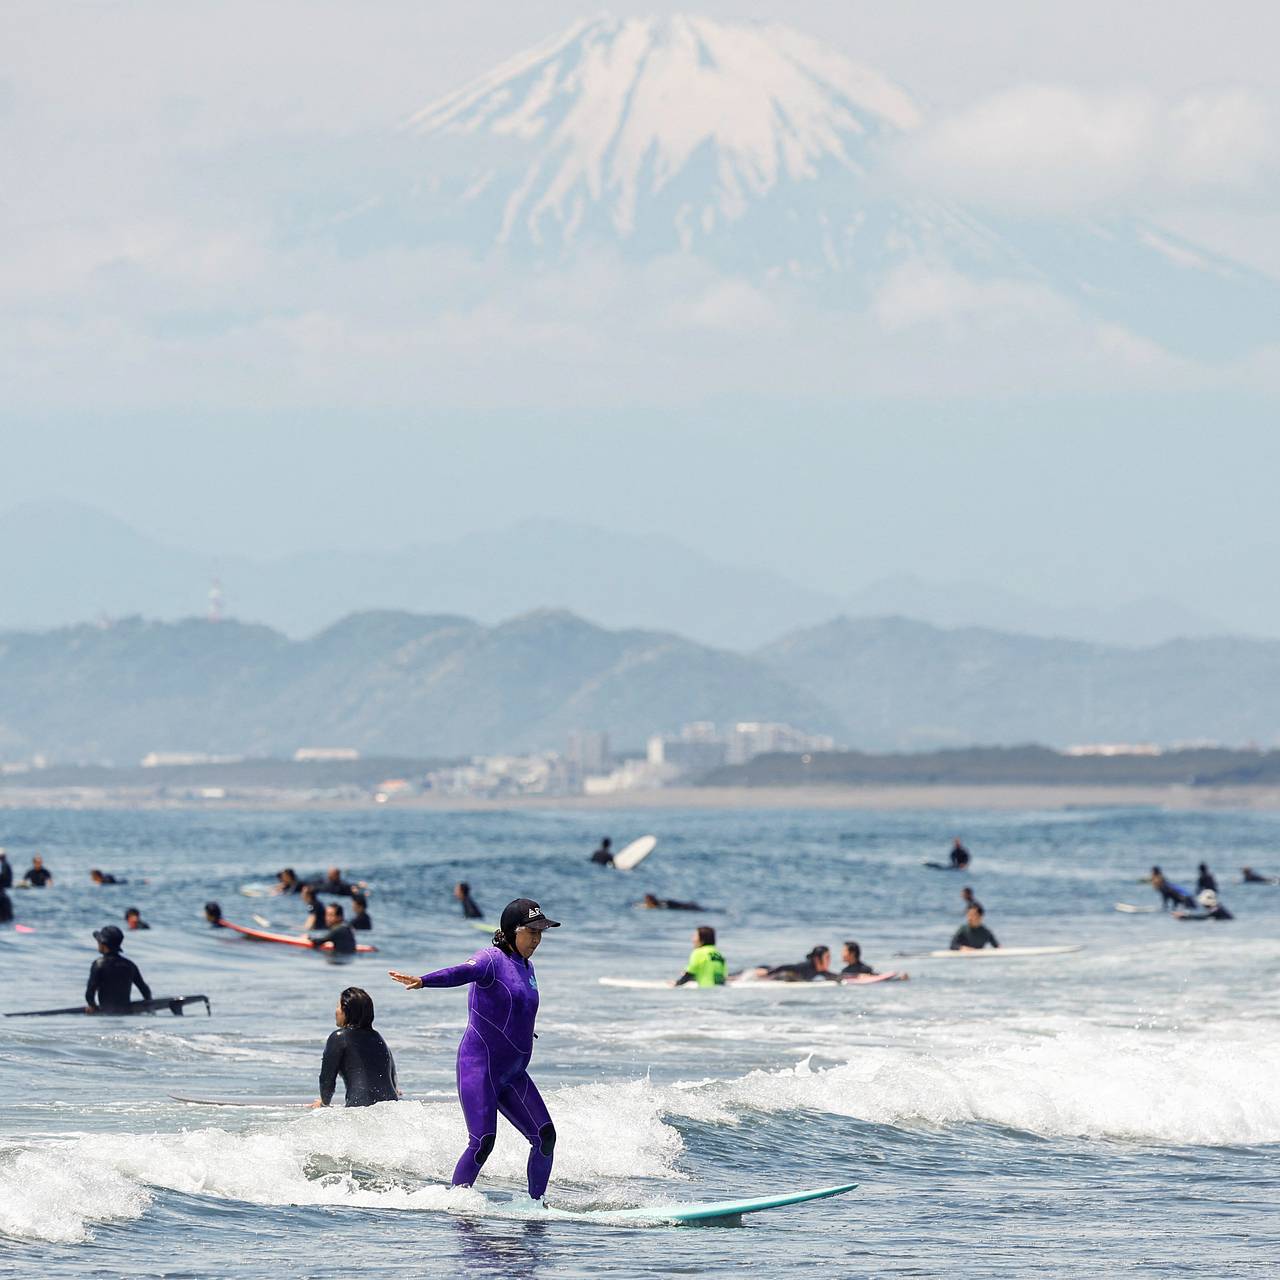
point(1051, 148)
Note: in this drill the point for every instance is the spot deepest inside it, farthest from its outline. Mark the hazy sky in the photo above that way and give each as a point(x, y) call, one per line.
point(176, 353)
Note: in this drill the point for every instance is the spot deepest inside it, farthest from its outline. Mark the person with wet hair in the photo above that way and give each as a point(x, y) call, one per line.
point(38, 875)
point(133, 920)
point(103, 877)
point(287, 881)
point(358, 1055)
point(213, 914)
point(315, 908)
point(966, 896)
point(493, 1058)
point(853, 965)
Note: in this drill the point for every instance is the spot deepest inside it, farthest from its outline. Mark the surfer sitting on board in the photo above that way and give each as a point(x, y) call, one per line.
point(959, 855)
point(470, 911)
point(335, 931)
point(112, 976)
point(973, 935)
point(650, 903)
point(1204, 879)
point(493, 1058)
point(816, 965)
point(133, 920)
point(1170, 894)
point(357, 1053)
point(1211, 908)
point(603, 856)
point(706, 966)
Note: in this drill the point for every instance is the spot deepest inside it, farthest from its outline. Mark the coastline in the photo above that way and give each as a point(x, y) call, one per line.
point(925, 796)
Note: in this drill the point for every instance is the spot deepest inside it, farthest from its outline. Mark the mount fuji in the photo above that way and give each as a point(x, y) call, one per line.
point(770, 156)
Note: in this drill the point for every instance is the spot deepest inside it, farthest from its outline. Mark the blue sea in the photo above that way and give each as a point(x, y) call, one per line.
point(1114, 1111)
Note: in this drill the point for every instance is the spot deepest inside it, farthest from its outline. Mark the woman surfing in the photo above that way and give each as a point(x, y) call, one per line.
point(493, 1057)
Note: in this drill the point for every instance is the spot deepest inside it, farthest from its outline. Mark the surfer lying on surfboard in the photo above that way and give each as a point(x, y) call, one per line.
point(493, 1058)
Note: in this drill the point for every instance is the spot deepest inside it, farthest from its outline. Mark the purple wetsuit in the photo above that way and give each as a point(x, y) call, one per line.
point(493, 1061)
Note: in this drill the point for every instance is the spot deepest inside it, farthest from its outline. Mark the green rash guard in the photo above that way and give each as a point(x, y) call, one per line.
point(706, 967)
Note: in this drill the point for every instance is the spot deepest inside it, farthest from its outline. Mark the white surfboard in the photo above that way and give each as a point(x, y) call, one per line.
point(290, 1103)
point(1129, 909)
point(634, 854)
point(991, 953)
point(708, 1211)
point(644, 984)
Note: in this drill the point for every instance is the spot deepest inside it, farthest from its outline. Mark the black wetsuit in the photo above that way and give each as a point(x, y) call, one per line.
point(854, 970)
point(107, 879)
point(111, 978)
point(469, 909)
point(6, 907)
point(344, 941)
point(38, 877)
point(672, 904)
point(361, 1057)
point(602, 857)
point(1218, 913)
point(315, 915)
point(976, 936)
point(6, 873)
point(337, 888)
point(142, 924)
point(805, 971)
point(1205, 881)
point(360, 920)
point(1172, 895)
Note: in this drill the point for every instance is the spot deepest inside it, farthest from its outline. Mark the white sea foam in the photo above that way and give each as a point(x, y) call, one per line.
point(1189, 1089)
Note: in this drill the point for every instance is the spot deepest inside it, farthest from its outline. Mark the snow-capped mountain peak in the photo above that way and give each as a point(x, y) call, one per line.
point(613, 112)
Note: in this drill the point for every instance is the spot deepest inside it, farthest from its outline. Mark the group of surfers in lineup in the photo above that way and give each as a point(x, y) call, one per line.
point(497, 1045)
point(1180, 900)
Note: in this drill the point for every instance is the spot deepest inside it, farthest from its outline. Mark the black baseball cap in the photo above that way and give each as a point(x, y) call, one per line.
point(110, 936)
point(524, 912)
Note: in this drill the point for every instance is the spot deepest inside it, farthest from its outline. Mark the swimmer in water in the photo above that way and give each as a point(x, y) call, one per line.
point(603, 856)
point(336, 886)
point(112, 976)
point(966, 896)
point(133, 920)
point(973, 935)
point(493, 1058)
point(959, 855)
point(357, 1053)
point(213, 914)
point(287, 881)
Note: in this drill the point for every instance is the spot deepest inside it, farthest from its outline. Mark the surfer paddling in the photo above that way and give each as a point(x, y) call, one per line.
point(493, 1058)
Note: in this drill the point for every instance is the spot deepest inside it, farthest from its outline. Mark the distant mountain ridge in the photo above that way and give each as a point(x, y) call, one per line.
point(401, 684)
point(65, 563)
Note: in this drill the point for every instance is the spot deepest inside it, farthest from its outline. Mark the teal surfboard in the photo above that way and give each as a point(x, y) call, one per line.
point(707, 1211)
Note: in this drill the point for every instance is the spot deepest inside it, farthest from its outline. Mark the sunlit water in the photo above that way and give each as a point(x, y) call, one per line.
point(1111, 1112)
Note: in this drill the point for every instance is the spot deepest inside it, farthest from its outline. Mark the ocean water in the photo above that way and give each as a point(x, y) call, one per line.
point(1111, 1112)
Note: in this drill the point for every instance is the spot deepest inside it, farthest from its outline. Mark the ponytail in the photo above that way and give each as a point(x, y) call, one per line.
point(502, 942)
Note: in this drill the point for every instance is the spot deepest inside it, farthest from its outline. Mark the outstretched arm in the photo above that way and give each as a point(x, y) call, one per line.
point(478, 969)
